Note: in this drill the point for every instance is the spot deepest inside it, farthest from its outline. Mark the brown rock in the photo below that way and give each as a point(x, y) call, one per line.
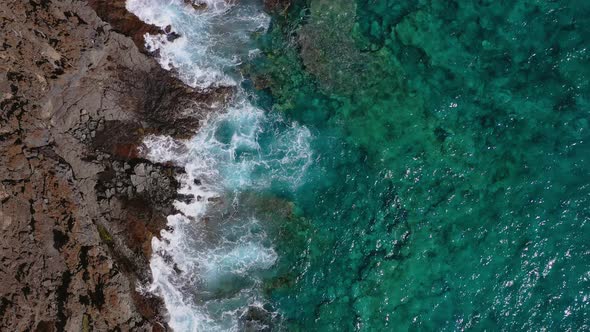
point(114, 12)
point(78, 205)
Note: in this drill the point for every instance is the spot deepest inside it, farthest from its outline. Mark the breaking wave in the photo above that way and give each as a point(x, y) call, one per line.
point(207, 264)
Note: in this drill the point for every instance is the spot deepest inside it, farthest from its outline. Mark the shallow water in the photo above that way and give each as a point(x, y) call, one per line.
point(452, 186)
point(400, 165)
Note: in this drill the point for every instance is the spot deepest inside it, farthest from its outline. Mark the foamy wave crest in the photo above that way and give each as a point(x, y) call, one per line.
point(231, 145)
point(163, 149)
point(214, 36)
point(208, 281)
point(208, 264)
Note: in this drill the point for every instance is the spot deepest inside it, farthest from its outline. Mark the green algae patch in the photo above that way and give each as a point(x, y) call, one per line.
point(104, 234)
point(86, 323)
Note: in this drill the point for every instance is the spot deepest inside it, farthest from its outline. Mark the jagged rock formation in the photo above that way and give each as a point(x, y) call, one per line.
point(79, 205)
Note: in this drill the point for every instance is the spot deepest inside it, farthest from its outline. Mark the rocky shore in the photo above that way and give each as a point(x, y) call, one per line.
point(79, 204)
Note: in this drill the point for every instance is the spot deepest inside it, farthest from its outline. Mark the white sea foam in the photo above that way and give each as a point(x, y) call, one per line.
point(164, 148)
point(189, 269)
point(200, 257)
point(207, 267)
point(230, 144)
point(211, 39)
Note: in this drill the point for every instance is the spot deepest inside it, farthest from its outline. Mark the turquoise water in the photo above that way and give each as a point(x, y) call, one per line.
point(450, 187)
point(384, 165)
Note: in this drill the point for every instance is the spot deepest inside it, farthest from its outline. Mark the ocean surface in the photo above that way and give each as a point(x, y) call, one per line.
point(384, 165)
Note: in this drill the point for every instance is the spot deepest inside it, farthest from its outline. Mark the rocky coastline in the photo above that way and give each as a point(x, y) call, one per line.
point(79, 203)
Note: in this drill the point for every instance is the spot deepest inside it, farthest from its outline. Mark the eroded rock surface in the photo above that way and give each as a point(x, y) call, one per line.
point(79, 204)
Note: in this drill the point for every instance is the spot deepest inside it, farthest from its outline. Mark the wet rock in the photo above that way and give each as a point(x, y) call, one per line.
point(215, 199)
point(114, 12)
point(184, 198)
point(274, 6)
point(172, 36)
point(197, 5)
point(256, 318)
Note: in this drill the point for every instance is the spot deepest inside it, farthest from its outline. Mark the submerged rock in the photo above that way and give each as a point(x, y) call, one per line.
point(276, 5)
point(196, 5)
point(256, 318)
